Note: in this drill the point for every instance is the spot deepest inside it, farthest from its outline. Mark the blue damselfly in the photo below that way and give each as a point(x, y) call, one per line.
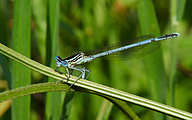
point(132, 48)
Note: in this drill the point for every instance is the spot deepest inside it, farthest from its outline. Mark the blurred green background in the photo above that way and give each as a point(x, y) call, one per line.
point(86, 25)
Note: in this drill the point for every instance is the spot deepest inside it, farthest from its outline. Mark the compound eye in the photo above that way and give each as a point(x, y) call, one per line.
point(56, 58)
point(64, 63)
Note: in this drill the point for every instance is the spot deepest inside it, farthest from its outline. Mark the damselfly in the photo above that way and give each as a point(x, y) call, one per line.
point(132, 48)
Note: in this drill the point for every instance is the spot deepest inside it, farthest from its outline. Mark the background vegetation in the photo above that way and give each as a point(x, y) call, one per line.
point(65, 27)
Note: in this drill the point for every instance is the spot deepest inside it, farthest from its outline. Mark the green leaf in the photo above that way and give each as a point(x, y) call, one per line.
point(53, 99)
point(67, 105)
point(107, 107)
point(154, 62)
point(177, 10)
point(21, 43)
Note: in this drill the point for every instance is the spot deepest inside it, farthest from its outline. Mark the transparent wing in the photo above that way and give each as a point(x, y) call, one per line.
point(131, 53)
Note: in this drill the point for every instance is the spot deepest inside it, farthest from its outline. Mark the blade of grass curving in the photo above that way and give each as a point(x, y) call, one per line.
point(21, 43)
point(53, 99)
point(129, 113)
point(154, 62)
point(82, 85)
point(105, 110)
point(67, 105)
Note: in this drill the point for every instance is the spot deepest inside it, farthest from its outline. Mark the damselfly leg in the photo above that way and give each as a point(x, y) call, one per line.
point(82, 70)
point(70, 71)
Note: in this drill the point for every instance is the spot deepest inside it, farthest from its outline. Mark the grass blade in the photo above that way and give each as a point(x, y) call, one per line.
point(68, 102)
point(177, 10)
point(21, 43)
point(154, 62)
point(105, 110)
point(53, 99)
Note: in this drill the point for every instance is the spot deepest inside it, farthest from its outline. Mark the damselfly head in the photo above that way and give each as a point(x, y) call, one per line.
point(57, 58)
point(58, 61)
